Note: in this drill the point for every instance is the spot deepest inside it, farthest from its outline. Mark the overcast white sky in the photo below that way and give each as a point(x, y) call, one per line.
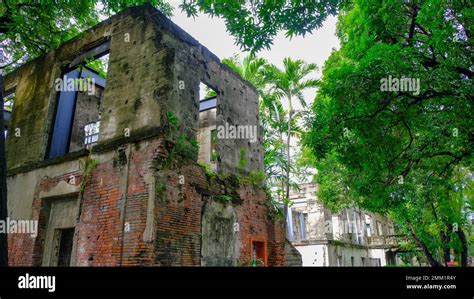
point(313, 48)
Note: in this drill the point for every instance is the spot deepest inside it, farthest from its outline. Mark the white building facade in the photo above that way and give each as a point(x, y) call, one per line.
point(351, 237)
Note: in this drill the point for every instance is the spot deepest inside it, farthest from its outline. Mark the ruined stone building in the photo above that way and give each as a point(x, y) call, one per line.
point(351, 237)
point(126, 169)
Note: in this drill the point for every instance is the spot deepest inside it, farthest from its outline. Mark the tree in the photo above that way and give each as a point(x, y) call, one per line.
point(250, 68)
point(393, 117)
point(254, 23)
point(289, 84)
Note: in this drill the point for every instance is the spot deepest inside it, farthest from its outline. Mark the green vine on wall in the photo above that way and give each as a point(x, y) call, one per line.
point(90, 165)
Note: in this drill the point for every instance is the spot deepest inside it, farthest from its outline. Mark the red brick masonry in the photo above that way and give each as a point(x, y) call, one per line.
point(116, 195)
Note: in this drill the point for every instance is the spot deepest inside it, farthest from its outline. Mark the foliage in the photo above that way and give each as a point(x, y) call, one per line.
point(53, 22)
point(160, 190)
point(172, 119)
point(8, 102)
point(99, 65)
point(89, 166)
point(289, 83)
point(242, 159)
point(406, 153)
point(223, 198)
point(207, 169)
point(183, 149)
point(250, 68)
point(186, 148)
point(255, 178)
point(254, 24)
point(256, 262)
point(273, 85)
point(210, 93)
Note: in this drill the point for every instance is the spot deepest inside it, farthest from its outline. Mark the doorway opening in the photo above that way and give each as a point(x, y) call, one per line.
point(65, 239)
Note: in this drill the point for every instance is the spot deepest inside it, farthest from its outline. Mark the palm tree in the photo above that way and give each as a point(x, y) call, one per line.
point(250, 69)
point(289, 83)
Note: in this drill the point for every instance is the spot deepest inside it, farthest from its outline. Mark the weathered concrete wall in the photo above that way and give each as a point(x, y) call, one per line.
point(220, 243)
point(33, 85)
point(138, 77)
point(36, 97)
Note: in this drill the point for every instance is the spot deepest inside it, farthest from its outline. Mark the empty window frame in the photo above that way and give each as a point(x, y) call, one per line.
point(207, 133)
point(8, 101)
point(80, 91)
point(379, 228)
point(368, 225)
point(303, 220)
point(91, 132)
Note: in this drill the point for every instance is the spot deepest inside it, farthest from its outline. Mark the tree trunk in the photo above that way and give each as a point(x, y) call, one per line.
point(431, 260)
point(288, 140)
point(462, 238)
point(287, 195)
point(445, 239)
point(282, 194)
point(3, 180)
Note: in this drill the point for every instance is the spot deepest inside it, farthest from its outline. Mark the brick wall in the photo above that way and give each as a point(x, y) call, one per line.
point(116, 197)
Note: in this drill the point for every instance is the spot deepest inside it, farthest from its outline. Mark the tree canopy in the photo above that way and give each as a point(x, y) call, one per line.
point(254, 24)
point(393, 127)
